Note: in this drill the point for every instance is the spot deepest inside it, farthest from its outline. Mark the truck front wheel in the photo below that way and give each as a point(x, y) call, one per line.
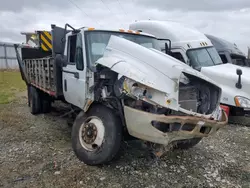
point(96, 135)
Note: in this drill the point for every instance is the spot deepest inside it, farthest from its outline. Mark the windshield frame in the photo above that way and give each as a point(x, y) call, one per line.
point(155, 44)
point(211, 58)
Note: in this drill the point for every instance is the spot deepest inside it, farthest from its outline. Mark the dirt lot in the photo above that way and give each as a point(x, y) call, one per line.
point(35, 151)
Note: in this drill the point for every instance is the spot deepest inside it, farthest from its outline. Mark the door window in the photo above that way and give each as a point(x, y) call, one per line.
point(75, 53)
point(178, 56)
point(223, 58)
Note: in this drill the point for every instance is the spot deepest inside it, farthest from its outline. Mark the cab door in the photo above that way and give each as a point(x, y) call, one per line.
point(74, 74)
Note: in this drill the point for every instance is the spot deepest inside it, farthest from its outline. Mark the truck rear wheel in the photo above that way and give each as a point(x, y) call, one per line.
point(46, 106)
point(96, 135)
point(45, 103)
point(34, 100)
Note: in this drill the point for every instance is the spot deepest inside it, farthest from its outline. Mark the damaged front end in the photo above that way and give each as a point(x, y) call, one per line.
point(163, 100)
point(148, 117)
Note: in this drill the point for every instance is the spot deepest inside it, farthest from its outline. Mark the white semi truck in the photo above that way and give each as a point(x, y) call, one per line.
point(119, 84)
point(196, 50)
point(229, 52)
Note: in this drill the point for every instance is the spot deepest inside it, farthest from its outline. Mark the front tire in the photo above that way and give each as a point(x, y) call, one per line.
point(96, 135)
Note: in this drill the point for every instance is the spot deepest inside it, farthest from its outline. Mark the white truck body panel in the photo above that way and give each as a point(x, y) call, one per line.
point(227, 78)
point(184, 38)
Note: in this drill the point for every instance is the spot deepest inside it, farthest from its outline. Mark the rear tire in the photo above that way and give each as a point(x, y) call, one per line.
point(46, 104)
point(106, 129)
point(34, 100)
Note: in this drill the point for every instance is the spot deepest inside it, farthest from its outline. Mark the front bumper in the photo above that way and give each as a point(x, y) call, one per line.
point(139, 125)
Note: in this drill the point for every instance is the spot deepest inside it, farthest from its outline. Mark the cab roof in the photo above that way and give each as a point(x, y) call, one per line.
point(176, 32)
point(118, 30)
point(224, 45)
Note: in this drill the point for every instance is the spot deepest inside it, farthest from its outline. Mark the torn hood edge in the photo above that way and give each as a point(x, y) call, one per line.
point(135, 62)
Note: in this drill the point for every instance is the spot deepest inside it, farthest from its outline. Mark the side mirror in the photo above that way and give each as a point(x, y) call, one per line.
point(239, 72)
point(238, 84)
point(61, 60)
point(166, 48)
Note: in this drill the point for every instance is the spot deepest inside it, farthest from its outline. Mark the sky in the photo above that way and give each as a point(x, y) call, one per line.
point(228, 19)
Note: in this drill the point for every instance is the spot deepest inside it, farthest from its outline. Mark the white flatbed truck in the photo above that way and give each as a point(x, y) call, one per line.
point(118, 83)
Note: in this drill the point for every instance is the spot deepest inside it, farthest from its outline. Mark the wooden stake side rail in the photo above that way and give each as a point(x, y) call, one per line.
point(40, 73)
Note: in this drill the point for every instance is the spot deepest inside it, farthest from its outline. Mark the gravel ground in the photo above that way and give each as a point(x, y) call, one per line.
point(35, 151)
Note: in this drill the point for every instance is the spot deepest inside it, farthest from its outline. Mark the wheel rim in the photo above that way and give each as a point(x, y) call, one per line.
point(91, 133)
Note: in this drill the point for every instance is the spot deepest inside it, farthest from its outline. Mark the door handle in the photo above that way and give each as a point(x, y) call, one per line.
point(76, 74)
point(65, 85)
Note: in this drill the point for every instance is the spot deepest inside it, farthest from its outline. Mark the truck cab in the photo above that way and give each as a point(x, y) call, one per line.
point(118, 83)
point(194, 49)
point(228, 52)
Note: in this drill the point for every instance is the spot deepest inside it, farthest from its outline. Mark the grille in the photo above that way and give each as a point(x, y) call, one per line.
point(198, 95)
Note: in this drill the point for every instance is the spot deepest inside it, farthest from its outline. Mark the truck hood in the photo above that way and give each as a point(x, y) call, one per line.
point(225, 76)
point(147, 66)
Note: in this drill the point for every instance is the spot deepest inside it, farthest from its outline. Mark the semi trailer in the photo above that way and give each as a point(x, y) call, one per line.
point(118, 82)
point(194, 49)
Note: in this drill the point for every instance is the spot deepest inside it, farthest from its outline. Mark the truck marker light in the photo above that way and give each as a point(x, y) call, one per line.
point(91, 28)
point(130, 31)
point(237, 101)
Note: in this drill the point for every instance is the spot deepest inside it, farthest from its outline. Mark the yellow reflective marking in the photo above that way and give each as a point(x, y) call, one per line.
point(44, 47)
point(46, 42)
point(48, 35)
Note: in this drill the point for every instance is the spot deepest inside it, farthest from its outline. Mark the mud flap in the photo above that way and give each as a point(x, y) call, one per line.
point(20, 64)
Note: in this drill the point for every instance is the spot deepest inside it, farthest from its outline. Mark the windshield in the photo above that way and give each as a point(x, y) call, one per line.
point(98, 40)
point(204, 57)
point(238, 60)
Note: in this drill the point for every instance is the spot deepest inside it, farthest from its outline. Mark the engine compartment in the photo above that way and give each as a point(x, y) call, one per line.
point(198, 95)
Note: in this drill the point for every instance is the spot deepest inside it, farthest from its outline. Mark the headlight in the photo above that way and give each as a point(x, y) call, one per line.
point(139, 91)
point(242, 102)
